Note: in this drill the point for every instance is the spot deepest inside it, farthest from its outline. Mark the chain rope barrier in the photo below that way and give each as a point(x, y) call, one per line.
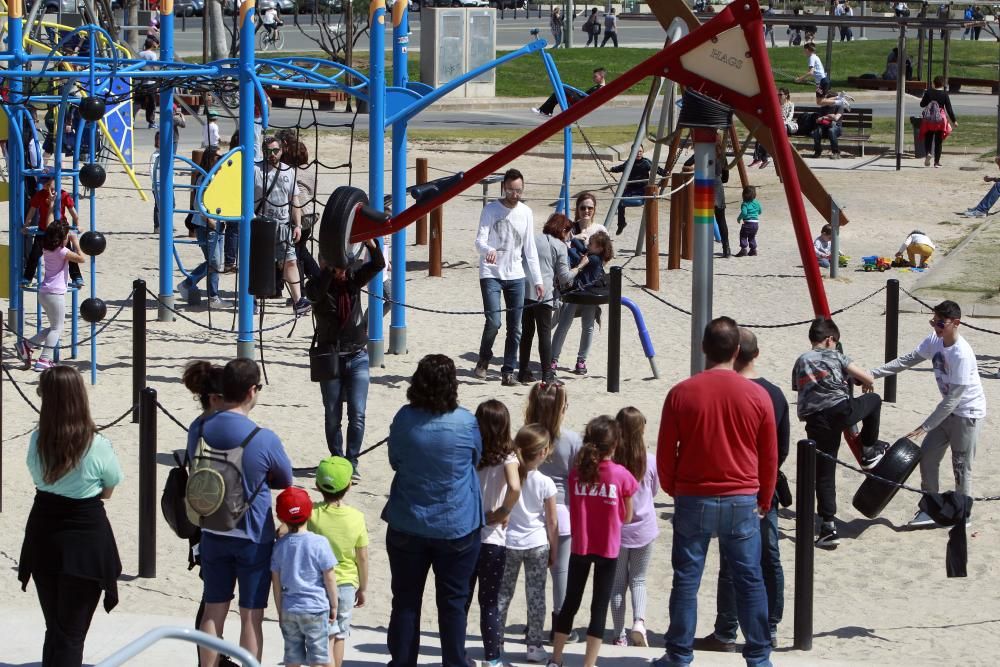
point(930, 307)
point(86, 339)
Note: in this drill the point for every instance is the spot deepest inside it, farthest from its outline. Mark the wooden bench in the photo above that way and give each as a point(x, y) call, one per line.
point(326, 100)
point(856, 126)
point(955, 84)
point(912, 87)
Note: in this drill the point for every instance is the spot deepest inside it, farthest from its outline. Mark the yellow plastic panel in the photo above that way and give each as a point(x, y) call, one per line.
point(222, 194)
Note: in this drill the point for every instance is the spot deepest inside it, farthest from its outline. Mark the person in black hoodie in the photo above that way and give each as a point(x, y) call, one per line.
point(933, 125)
point(342, 329)
point(638, 178)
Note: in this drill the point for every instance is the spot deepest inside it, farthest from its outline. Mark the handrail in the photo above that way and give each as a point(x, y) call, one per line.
point(134, 648)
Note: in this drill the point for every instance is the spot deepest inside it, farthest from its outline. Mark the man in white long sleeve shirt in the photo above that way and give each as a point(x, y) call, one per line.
point(956, 420)
point(506, 235)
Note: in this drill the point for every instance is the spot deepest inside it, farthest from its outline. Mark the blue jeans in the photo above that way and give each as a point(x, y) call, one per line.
point(832, 132)
point(567, 311)
point(991, 198)
point(351, 388)
point(232, 242)
point(210, 243)
point(733, 519)
point(410, 559)
point(513, 297)
point(726, 620)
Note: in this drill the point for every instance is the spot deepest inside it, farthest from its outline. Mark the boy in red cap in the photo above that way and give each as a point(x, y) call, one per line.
point(305, 588)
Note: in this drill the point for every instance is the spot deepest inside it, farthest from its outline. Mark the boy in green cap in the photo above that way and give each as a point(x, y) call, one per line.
point(345, 529)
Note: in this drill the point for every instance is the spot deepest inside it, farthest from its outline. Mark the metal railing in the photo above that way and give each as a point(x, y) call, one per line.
point(131, 650)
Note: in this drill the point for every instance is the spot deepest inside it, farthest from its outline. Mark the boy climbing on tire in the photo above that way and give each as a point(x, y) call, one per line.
point(957, 418)
point(820, 376)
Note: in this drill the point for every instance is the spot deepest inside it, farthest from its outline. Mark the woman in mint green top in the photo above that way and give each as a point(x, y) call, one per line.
point(749, 219)
point(69, 548)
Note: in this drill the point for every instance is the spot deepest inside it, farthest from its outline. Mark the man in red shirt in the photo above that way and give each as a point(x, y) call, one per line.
point(717, 456)
point(42, 202)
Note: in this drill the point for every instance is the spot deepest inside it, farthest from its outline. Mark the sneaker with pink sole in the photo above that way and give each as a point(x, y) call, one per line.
point(43, 364)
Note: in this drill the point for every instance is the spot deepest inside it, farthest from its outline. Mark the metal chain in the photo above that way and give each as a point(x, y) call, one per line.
point(34, 407)
point(87, 339)
point(170, 416)
point(866, 473)
point(930, 307)
point(115, 422)
point(18, 388)
point(210, 327)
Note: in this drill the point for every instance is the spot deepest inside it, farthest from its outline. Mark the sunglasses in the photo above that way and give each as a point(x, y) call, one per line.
point(273, 151)
point(939, 324)
point(586, 208)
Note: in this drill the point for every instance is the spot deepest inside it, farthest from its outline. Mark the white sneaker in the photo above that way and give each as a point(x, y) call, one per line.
point(537, 654)
point(218, 302)
point(974, 213)
point(183, 291)
point(927, 160)
point(921, 520)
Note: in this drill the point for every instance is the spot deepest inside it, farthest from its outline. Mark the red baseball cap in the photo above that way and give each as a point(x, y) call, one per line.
point(294, 506)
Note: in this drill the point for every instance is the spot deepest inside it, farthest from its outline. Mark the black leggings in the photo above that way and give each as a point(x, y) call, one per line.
point(936, 138)
point(720, 219)
point(68, 604)
point(540, 317)
point(576, 581)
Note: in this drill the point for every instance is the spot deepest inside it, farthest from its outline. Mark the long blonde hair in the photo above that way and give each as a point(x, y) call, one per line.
point(546, 406)
point(531, 442)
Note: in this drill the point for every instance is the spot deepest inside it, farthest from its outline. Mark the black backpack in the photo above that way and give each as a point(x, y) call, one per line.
point(172, 502)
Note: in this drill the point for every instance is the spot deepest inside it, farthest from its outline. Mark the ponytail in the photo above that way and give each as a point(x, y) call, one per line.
point(531, 442)
point(600, 440)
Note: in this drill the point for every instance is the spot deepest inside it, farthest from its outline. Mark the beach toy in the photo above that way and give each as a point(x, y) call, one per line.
point(338, 219)
point(93, 243)
point(93, 309)
point(896, 466)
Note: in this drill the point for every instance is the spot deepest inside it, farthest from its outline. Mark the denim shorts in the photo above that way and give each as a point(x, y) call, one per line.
point(307, 638)
point(341, 627)
point(226, 560)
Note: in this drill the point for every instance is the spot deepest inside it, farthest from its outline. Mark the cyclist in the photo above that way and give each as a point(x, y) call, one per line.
point(271, 23)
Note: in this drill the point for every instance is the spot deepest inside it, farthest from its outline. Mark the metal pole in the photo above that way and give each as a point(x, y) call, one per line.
point(1, 415)
point(829, 44)
point(400, 45)
point(946, 56)
point(861, 30)
point(900, 93)
point(166, 183)
point(652, 238)
point(615, 330)
point(248, 59)
point(704, 217)
point(835, 243)
point(805, 552)
point(567, 23)
point(15, 45)
point(376, 176)
point(421, 235)
point(147, 483)
point(930, 58)
point(434, 251)
point(891, 335)
point(138, 345)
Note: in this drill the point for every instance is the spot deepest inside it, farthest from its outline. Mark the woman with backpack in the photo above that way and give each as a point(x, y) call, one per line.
point(69, 548)
point(592, 27)
point(937, 120)
point(237, 528)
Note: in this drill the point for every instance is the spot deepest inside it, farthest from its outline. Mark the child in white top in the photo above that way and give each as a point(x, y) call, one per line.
point(501, 488)
point(532, 536)
point(823, 246)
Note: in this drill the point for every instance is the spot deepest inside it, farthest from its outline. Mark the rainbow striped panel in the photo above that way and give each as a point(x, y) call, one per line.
point(704, 201)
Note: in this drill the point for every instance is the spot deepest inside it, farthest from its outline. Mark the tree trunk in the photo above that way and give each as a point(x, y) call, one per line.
point(132, 7)
point(217, 30)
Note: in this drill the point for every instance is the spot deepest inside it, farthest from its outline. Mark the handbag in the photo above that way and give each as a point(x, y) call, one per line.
point(324, 361)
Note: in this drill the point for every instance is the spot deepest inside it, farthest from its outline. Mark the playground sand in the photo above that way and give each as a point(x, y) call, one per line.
point(881, 598)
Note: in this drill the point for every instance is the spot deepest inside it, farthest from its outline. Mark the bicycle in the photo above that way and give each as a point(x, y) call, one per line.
point(270, 39)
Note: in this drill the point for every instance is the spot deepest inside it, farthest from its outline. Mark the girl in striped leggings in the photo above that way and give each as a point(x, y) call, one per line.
point(639, 535)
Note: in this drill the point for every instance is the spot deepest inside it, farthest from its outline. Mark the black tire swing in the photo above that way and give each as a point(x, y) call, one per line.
point(335, 245)
point(896, 465)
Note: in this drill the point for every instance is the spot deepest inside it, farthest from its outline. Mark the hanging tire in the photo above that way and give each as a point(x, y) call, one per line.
point(335, 226)
point(897, 465)
point(601, 296)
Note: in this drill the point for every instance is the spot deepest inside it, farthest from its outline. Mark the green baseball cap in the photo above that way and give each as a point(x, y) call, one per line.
point(333, 474)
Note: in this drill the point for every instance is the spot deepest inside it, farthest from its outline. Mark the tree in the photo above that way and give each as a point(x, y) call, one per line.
point(217, 34)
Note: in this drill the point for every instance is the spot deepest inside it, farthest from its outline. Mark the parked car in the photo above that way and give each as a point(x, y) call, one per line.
point(509, 4)
point(189, 7)
point(284, 6)
point(320, 6)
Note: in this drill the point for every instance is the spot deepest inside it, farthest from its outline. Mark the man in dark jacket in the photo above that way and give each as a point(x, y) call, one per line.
point(342, 323)
point(638, 178)
point(572, 96)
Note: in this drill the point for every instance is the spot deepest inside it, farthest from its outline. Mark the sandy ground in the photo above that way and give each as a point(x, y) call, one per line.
point(881, 598)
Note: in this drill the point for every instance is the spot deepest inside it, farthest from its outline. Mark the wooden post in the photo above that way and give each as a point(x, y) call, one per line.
point(687, 246)
point(734, 139)
point(652, 237)
point(421, 235)
point(434, 268)
point(676, 229)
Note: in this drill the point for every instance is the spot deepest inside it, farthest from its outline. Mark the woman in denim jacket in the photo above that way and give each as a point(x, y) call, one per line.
point(434, 511)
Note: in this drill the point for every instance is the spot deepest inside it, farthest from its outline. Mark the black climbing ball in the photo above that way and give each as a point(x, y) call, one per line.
point(93, 309)
point(93, 243)
point(92, 175)
point(92, 109)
